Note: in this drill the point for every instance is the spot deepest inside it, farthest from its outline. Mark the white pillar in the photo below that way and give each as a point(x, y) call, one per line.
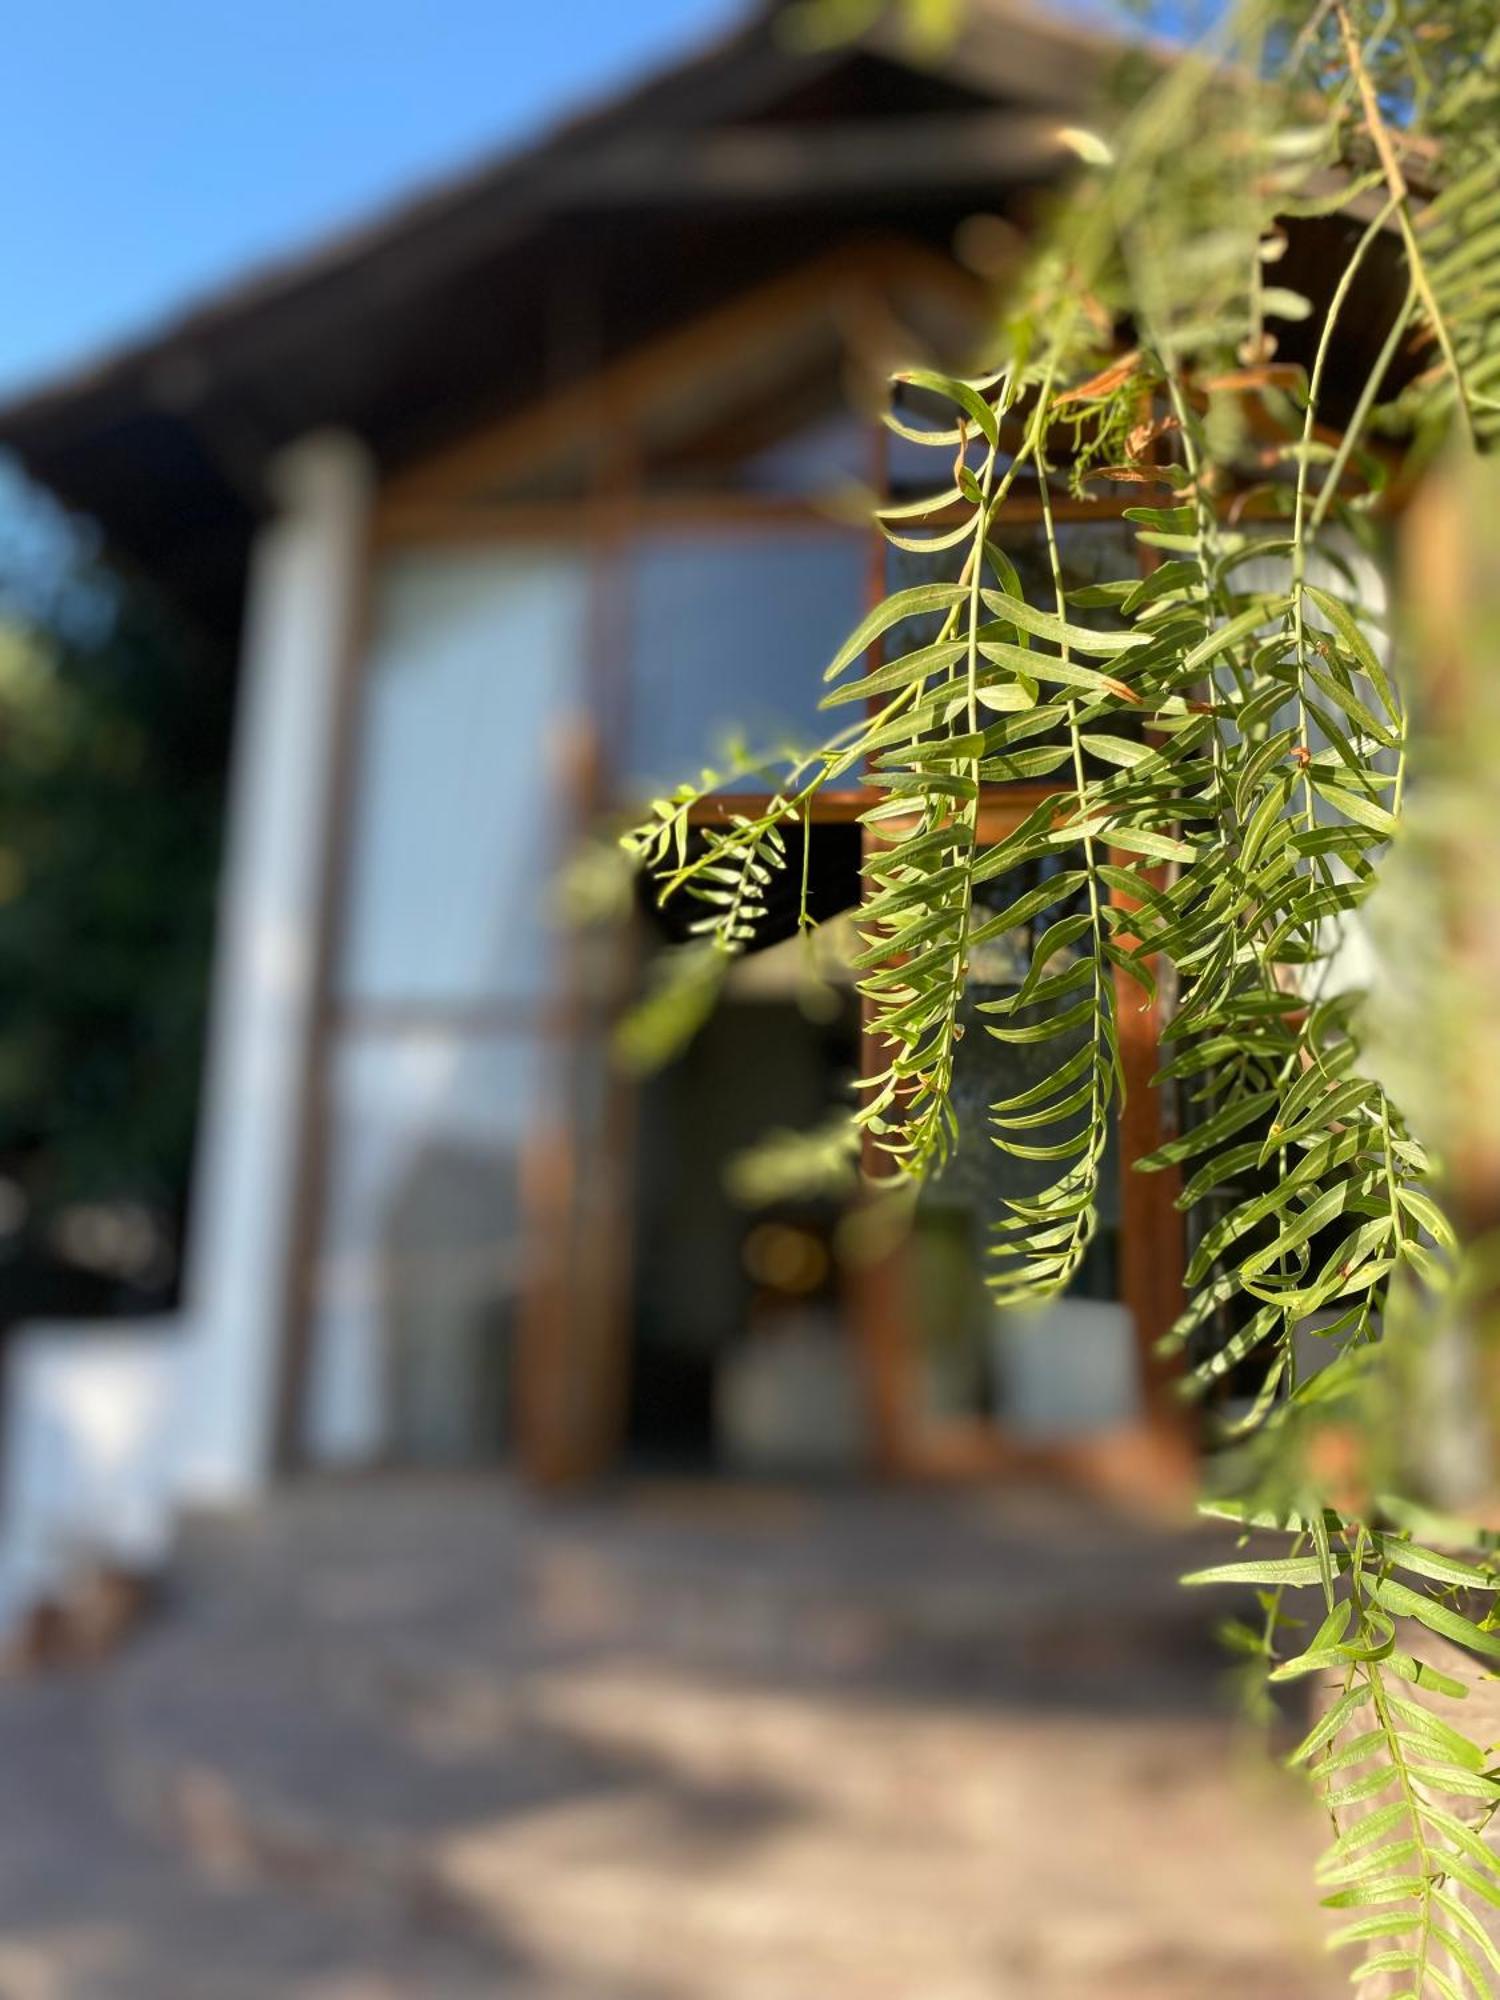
point(302, 607)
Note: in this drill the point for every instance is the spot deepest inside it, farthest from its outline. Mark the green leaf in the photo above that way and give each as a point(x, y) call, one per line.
point(1398, 1889)
point(963, 394)
point(1484, 1861)
point(1047, 625)
point(1228, 635)
point(918, 665)
point(1369, 1868)
point(1355, 806)
point(1170, 520)
point(1436, 1617)
point(1475, 1932)
point(1386, 1961)
point(1229, 1119)
point(1148, 841)
point(1394, 1925)
point(916, 602)
point(1306, 1224)
point(1429, 1562)
point(1343, 621)
point(1296, 1571)
point(1428, 1215)
point(1362, 1834)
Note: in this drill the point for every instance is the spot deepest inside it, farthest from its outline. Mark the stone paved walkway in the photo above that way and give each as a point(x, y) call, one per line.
point(427, 1742)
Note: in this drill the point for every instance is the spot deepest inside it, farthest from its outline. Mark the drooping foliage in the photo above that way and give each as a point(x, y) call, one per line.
point(1270, 303)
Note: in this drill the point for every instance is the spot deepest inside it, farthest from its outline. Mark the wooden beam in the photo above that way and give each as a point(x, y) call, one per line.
point(780, 162)
point(484, 523)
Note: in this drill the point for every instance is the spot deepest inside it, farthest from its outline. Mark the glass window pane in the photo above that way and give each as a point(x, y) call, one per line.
point(475, 656)
point(730, 633)
point(420, 1264)
point(1100, 551)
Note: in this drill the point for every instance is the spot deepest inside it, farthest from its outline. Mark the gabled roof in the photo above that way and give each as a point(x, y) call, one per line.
point(746, 157)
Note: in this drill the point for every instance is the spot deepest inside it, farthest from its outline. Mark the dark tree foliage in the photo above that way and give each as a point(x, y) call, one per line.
point(114, 727)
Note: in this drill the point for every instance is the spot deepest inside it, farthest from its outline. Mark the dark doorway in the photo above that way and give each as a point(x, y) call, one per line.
point(713, 1276)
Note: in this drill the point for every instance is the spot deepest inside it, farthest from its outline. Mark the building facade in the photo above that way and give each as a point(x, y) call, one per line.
point(510, 506)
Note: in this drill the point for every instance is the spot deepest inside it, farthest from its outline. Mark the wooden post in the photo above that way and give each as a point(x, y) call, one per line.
point(573, 1351)
point(1152, 1239)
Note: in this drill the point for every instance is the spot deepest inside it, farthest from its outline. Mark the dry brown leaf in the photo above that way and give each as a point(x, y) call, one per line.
point(1105, 382)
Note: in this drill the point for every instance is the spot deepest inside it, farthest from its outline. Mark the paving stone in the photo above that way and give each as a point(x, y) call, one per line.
point(405, 1740)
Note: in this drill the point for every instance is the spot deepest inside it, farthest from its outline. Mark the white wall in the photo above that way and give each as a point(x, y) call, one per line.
point(303, 608)
point(86, 1460)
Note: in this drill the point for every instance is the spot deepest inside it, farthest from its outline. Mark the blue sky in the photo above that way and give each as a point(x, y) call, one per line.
point(151, 148)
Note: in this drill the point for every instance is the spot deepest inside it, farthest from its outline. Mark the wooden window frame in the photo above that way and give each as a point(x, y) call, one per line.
point(561, 1438)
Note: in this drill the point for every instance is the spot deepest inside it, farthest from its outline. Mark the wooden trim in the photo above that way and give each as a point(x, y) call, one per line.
point(573, 1356)
point(1025, 510)
point(425, 523)
point(444, 523)
point(1153, 1230)
point(1153, 1245)
point(482, 524)
point(1001, 807)
point(825, 289)
point(836, 808)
